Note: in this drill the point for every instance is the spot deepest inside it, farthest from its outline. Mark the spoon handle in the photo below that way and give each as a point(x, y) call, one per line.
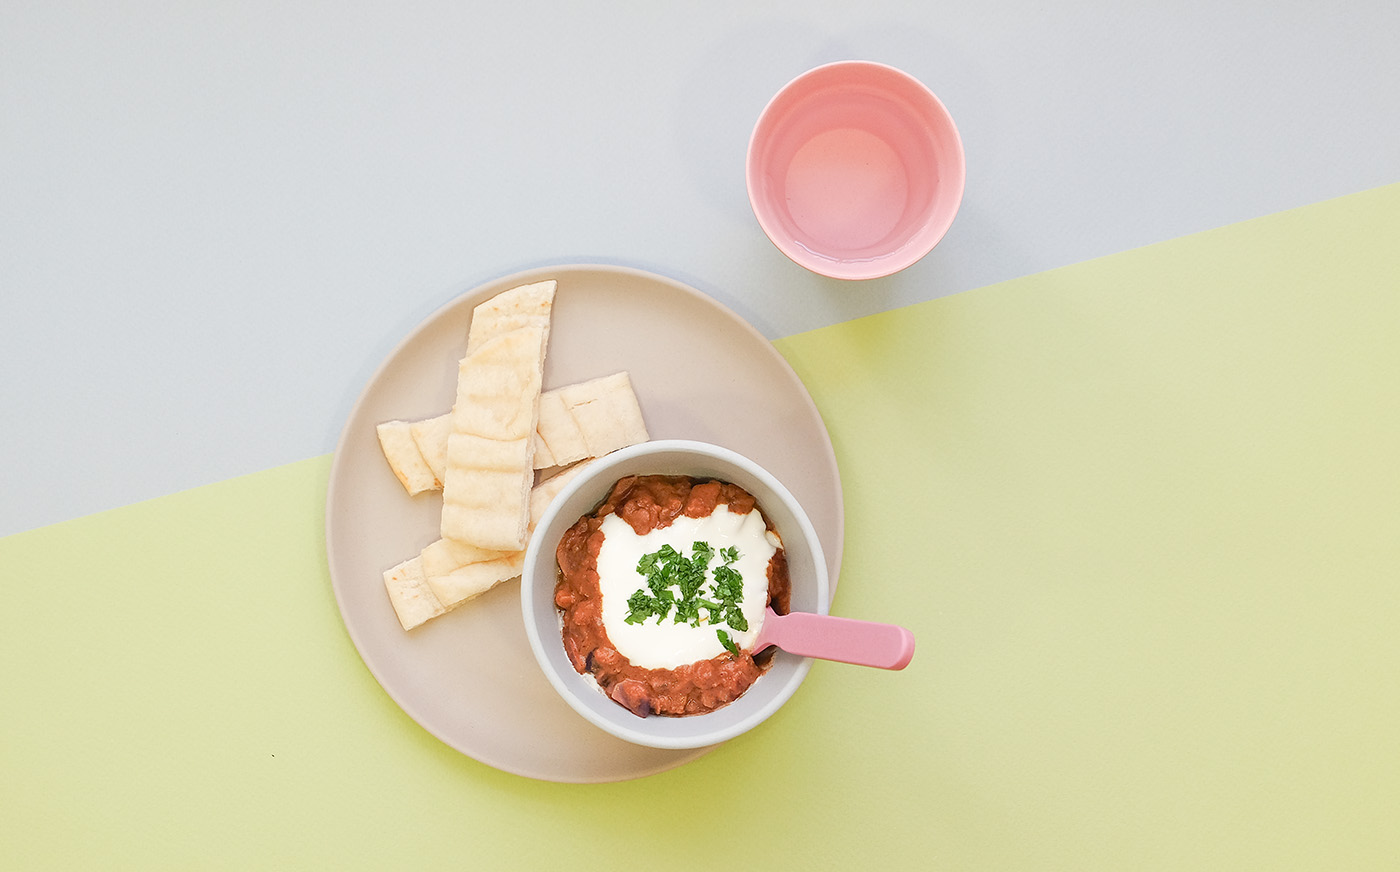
point(864, 643)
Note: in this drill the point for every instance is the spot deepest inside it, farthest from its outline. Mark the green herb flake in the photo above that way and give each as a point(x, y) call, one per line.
point(676, 583)
point(727, 642)
point(640, 607)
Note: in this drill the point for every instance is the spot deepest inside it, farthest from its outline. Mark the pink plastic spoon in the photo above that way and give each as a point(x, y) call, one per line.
point(864, 643)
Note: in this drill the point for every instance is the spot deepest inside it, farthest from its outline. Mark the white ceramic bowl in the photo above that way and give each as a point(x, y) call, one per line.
point(806, 566)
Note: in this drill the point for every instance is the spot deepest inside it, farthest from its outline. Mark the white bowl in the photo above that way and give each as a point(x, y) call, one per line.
point(806, 566)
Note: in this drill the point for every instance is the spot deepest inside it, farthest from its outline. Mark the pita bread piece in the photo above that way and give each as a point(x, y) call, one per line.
point(490, 452)
point(606, 412)
point(410, 594)
point(405, 458)
point(430, 435)
point(526, 306)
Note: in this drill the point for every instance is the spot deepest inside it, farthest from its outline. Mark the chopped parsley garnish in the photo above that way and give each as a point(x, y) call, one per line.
point(676, 583)
point(727, 642)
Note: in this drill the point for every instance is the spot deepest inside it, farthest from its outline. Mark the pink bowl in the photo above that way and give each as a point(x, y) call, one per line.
point(855, 170)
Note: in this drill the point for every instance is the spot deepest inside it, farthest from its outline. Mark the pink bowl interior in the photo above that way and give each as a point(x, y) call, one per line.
point(855, 170)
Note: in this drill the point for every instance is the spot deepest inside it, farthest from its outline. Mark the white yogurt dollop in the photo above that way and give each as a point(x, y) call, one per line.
point(664, 644)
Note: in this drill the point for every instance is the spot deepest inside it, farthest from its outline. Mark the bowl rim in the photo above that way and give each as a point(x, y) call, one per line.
point(874, 267)
point(537, 551)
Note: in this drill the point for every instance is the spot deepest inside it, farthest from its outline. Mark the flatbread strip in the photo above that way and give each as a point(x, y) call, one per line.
point(490, 452)
point(430, 441)
point(605, 414)
point(490, 449)
point(413, 600)
point(576, 422)
point(525, 306)
point(458, 573)
point(420, 460)
point(474, 579)
point(405, 459)
point(482, 571)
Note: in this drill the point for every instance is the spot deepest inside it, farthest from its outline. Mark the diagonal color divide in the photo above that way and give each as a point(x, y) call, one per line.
point(1140, 512)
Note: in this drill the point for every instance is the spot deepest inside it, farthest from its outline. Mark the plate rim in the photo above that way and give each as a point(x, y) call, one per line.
point(833, 554)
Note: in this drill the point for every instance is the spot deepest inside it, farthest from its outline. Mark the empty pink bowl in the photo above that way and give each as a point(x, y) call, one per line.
point(855, 170)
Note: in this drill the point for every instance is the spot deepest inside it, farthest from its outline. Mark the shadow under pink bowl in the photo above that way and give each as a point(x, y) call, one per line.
point(855, 170)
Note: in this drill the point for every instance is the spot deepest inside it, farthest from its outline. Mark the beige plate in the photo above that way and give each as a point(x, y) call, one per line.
point(469, 677)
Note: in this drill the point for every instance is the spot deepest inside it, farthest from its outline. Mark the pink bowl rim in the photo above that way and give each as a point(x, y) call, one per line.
point(868, 269)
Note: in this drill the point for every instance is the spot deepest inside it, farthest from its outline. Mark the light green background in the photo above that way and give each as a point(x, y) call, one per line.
point(1142, 514)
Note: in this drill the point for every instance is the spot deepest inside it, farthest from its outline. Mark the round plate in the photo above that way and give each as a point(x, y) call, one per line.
point(468, 677)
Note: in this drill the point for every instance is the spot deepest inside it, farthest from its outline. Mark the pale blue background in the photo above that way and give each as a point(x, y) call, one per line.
point(217, 218)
